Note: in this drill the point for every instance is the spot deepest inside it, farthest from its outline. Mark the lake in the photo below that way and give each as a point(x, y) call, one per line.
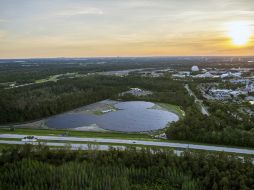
point(131, 116)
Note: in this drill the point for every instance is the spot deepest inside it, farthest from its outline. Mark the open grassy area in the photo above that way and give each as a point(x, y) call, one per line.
point(100, 110)
point(173, 108)
point(55, 78)
point(137, 136)
point(10, 139)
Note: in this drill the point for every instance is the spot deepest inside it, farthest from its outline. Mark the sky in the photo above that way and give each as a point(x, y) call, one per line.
point(89, 28)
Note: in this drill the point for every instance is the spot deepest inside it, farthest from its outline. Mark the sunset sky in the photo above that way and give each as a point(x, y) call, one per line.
point(85, 28)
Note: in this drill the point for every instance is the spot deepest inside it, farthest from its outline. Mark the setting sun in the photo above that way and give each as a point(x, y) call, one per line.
point(240, 33)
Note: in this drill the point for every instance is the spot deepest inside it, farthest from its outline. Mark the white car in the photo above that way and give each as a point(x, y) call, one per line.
point(29, 139)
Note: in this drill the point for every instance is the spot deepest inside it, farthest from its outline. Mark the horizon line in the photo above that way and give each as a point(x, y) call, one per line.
point(145, 56)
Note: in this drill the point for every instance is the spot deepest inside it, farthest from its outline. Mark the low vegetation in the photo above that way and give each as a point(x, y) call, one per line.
point(173, 108)
point(73, 133)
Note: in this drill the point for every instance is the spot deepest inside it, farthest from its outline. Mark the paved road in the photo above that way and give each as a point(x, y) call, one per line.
point(137, 142)
point(203, 108)
point(75, 146)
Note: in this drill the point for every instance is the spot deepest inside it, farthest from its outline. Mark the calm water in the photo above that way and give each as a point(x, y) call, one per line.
point(132, 116)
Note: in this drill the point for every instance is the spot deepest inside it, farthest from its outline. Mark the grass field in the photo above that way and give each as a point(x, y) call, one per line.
point(173, 108)
point(70, 133)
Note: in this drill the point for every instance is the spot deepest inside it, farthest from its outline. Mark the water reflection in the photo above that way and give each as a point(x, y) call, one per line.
point(132, 116)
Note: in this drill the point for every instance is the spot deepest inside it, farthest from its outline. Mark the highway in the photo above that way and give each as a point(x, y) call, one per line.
point(74, 146)
point(133, 142)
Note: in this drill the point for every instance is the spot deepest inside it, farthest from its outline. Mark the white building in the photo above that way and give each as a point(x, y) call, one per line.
point(220, 93)
point(194, 68)
point(181, 74)
point(225, 93)
point(250, 99)
point(205, 75)
point(239, 81)
point(229, 74)
point(236, 93)
point(249, 87)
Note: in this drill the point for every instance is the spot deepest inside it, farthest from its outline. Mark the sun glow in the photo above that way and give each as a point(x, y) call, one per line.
point(240, 33)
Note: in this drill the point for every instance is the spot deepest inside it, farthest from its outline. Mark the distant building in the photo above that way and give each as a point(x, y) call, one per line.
point(205, 75)
point(181, 74)
point(186, 73)
point(178, 76)
point(225, 93)
point(229, 74)
point(250, 98)
point(220, 93)
point(225, 75)
point(107, 111)
point(194, 68)
point(239, 81)
point(137, 92)
point(249, 87)
point(236, 93)
point(251, 102)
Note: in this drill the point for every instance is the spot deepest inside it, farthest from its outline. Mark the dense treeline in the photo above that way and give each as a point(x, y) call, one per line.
point(32, 102)
point(74, 175)
point(39, 168)
point(42, 100)
point(224, 125)
point(164, 90)
point(29, 70)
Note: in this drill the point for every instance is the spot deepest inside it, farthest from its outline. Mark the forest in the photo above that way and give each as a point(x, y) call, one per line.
point(38, 167)
point(220, 127)
point(28, 70)
point(225, 125)
point(42, 100)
